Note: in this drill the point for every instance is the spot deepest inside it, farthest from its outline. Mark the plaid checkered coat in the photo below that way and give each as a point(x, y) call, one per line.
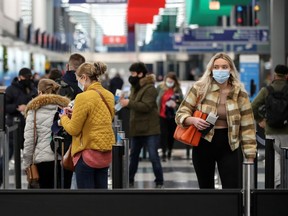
point(240, 119)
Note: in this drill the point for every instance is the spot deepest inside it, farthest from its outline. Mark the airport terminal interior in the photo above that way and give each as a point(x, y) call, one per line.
point(177, 36)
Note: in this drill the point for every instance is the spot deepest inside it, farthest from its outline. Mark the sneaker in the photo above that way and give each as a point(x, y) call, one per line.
point(169, 155)
point(163, 158)
point(131, 184)
point(159, 186)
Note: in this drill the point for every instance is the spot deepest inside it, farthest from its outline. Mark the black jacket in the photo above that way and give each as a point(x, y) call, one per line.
point(115, 83)
point(69, 87)
point(15, 95)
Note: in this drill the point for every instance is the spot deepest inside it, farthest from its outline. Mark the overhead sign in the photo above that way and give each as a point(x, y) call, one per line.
point(97, 1)
point(239, 35)
point(114, 40)
point(213, 46)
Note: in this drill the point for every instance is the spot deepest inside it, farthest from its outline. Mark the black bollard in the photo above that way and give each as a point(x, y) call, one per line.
point(269, 163)
point(117, 166)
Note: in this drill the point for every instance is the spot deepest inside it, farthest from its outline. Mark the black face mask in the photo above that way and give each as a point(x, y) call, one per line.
point(134, 80)
point(25, 83)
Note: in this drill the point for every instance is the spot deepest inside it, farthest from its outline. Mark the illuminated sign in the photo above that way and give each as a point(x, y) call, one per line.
point(114, 40)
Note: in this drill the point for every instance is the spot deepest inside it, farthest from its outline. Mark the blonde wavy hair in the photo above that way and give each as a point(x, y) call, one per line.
point(205, 82)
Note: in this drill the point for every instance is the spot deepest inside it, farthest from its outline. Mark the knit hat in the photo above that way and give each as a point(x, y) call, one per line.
point(281, 69)
point(139, 67)
point(25, 72)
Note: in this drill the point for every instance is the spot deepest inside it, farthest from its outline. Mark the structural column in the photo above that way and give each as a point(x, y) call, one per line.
point(277, 28)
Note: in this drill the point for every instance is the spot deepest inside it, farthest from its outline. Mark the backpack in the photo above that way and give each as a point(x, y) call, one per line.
point(276, 105)
point(59, 131)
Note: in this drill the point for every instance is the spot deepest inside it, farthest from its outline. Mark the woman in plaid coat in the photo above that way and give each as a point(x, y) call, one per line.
point(219, 91)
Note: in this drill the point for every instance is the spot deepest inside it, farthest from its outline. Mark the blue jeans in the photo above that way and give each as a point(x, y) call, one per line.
point(152, 143)
point(88, 177)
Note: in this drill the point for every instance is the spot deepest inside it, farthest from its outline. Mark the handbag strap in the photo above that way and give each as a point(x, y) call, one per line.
point(104, 100)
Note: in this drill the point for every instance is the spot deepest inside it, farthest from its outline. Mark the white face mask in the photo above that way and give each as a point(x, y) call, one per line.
point(169, 84)
point(221, 76)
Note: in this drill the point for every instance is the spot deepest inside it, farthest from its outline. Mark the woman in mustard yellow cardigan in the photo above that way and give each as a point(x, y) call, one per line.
point(90, 126)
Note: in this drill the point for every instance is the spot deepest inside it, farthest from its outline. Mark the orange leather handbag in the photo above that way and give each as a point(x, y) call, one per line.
point(190, 135)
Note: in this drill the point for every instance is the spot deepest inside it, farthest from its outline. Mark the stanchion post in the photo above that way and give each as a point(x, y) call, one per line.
point(284, 167)
point(117, 154)
point(256, 171)
point(9, 130)
point(116, 130)
point(56, 145)
point(126, 163)
point(17, 155)
point(269, 163)
point(2, 150)
point(115, 119)
point(117, 160)
point(57, 140)
point(117, 166)
point(119, 123)
point(6, 159)
point(117, 126)
point(248, 179)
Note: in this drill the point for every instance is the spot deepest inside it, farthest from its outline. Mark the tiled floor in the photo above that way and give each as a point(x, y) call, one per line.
point(178, 173)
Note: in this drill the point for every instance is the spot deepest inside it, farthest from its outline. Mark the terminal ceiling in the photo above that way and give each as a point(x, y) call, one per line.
point(162, 15)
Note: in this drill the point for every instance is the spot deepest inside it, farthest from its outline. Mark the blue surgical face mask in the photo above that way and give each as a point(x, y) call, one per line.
point(221, 76)
point(80, 86)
